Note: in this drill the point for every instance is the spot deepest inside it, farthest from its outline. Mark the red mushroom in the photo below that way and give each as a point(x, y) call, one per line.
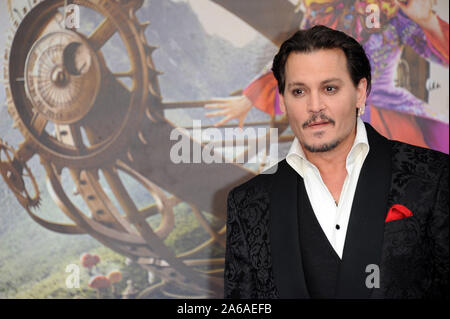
point(114, 277)
point(99, 282)
point(87, 261)
point(95, 259)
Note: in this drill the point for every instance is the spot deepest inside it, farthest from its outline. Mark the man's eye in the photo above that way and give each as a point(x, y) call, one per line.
point(331, 89)
point(297, 92)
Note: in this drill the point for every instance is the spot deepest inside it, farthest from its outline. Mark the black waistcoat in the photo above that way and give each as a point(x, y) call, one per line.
point(320, 261)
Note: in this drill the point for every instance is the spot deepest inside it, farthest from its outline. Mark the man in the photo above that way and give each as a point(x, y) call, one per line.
point(348, 213)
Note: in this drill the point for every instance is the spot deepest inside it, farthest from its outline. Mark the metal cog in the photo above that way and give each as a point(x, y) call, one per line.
point(143, 244)
point(13, 171)
point(24, 100)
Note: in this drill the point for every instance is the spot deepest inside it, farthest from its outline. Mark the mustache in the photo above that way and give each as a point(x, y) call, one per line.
point(314, 118)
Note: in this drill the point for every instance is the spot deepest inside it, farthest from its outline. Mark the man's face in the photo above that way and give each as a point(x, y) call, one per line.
point(321, 100)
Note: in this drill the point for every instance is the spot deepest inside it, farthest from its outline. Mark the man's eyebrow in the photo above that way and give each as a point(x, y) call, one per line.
point(291, 84)
point(331, 80)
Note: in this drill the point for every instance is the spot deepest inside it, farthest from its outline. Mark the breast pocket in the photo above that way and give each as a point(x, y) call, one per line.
point(402, 235)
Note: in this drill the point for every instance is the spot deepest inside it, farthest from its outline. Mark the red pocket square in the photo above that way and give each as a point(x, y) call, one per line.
point(397, 211)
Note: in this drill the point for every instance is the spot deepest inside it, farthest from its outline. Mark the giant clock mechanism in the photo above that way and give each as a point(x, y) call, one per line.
point(78, 116)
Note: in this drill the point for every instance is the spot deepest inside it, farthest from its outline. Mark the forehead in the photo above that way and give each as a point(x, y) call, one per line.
point(316, 66)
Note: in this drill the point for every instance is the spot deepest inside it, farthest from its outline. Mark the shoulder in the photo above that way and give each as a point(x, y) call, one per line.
point(257, 187)
point(418, 161)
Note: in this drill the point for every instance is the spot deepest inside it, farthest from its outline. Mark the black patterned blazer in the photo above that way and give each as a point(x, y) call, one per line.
point(263, 257)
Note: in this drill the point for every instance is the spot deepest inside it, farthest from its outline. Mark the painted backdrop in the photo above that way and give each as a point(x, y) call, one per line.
point(99, 198)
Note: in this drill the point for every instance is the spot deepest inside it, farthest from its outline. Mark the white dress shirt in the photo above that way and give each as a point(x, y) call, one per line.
point(332, 218)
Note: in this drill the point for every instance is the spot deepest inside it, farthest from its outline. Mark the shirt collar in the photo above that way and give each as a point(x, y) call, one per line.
point(297, 160)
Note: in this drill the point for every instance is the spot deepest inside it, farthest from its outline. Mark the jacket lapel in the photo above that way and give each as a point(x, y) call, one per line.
point(364, 239)
point(285, 247)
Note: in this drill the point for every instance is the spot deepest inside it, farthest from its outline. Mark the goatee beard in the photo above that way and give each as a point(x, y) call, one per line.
point(322, 148)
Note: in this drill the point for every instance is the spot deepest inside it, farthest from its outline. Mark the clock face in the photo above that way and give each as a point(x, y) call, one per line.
point(77, 58)
point(62, 76)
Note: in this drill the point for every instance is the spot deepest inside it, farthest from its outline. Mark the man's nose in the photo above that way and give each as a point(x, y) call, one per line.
point(315, 104)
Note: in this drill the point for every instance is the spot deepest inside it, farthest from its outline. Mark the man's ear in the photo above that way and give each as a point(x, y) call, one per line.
point(361, 92)
point(282, 105)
